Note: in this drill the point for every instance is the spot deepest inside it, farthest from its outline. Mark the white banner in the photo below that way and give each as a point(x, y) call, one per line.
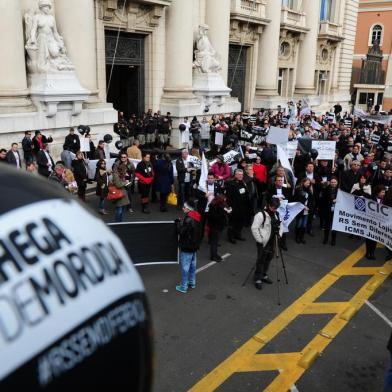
point(230, 156)
point(287, 212)
point(195, 161)
point(326, 149)
point(85, 144)
point(363, 217)
point(284, 161)
point(278, 135)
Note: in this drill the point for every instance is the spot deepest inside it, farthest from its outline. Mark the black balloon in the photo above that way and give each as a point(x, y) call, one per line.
point(119, 144)
point(182, 127)
point(108, 138)
point(313, 153)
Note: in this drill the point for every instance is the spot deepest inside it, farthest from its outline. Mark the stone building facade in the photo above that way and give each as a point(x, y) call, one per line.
point(374, 24)
point(133, 55)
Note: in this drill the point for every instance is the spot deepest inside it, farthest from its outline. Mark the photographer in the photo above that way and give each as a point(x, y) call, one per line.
point(265, 229)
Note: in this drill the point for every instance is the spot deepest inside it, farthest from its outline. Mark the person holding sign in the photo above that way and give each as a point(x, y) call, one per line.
point(327, 207)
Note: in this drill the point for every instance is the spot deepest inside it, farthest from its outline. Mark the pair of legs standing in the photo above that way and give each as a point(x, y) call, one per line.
point(188, 271)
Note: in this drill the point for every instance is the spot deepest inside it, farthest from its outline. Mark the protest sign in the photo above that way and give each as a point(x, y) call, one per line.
point(219, 138)
point(230, 156)
point(375, 138)
point(278, 135)
point(195, 161)
point(85, 144)
point(326, 149)
point(290, 148)
point(363, 217)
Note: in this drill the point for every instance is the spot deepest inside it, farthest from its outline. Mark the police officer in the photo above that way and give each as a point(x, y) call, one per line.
point(266, 229)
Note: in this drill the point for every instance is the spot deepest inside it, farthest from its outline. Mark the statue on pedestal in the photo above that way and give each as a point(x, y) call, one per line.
point(206, 58)
point(44, 45)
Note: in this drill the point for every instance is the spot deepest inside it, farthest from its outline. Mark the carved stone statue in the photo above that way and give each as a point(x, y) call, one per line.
point(44, 45)
point(206, 58)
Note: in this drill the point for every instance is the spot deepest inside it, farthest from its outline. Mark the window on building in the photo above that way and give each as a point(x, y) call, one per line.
point(288, 3)
point(326, 10)
point(280, 81)
point(362, 98)
point(380, 98)
point(376, 34)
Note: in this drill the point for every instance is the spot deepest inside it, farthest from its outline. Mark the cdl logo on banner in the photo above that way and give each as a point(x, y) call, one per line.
point(370, 206)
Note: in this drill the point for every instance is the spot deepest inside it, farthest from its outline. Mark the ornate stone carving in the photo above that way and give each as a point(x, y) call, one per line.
point(244, 33)
point(288, 46)
point(133, 16)
point(44, 45)
point(206, 58)
point(325, 53)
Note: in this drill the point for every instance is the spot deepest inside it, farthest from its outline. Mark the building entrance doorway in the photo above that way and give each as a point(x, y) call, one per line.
point(125, 72)
point(237, 72)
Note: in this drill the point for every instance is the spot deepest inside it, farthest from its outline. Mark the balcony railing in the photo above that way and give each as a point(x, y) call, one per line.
point(293, 20)
point(331, 31)
point(252, 10)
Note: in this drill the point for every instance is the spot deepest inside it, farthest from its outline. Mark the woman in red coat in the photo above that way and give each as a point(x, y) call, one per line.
point(260, 175)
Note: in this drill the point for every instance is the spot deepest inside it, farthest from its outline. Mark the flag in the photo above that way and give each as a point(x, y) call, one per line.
point(316, 125)
point(287, 212)
point(203, 176)
point(284, 161)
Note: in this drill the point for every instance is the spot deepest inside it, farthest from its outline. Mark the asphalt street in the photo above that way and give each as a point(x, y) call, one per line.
point(197, 331)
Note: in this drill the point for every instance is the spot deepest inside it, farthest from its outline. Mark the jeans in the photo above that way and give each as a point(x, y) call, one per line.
point(388, 379)
point(118, 217)
point(101, 203)
point(302, 221)
point(188, 269)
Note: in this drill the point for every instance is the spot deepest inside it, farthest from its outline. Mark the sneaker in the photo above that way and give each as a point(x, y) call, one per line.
point(130, 210)
point(258, 284)
point(192, 285)
point(180, 289)
point(103, 212)
point(267, 280)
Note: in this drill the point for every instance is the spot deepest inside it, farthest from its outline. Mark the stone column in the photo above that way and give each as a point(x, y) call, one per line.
point(13, 81)
point(306, 66)
point(218, 19)
point(76, 24)
point(267, 70)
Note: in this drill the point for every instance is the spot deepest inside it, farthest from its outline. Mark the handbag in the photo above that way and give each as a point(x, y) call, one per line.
point(172, 199)
point(114, 193)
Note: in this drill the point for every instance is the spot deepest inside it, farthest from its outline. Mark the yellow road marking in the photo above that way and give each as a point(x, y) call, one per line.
point(293, 365)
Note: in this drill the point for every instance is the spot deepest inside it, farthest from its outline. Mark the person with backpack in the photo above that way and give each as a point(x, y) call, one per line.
point(265, 229)
point(189, 230)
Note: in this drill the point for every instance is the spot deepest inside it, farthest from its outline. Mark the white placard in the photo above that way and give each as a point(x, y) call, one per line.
point(219, 138)
point(85, 144)
point(363, 217)
point(290, 148)
point(326, 149)
point(278, 135)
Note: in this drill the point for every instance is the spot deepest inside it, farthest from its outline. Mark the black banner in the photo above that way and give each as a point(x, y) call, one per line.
point(149, 242)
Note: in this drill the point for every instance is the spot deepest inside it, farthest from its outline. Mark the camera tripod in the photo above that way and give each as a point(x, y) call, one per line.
point(277, 254)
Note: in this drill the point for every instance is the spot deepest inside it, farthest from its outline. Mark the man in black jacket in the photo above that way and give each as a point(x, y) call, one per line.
point(189, 231)
point(13, 157)
point(72, 141)
point(238, 200)
point(45, 162)
point(350, 177)
point(28, 147)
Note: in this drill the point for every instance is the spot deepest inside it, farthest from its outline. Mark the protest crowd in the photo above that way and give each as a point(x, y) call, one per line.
point(230, 167)
point(262, 171)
